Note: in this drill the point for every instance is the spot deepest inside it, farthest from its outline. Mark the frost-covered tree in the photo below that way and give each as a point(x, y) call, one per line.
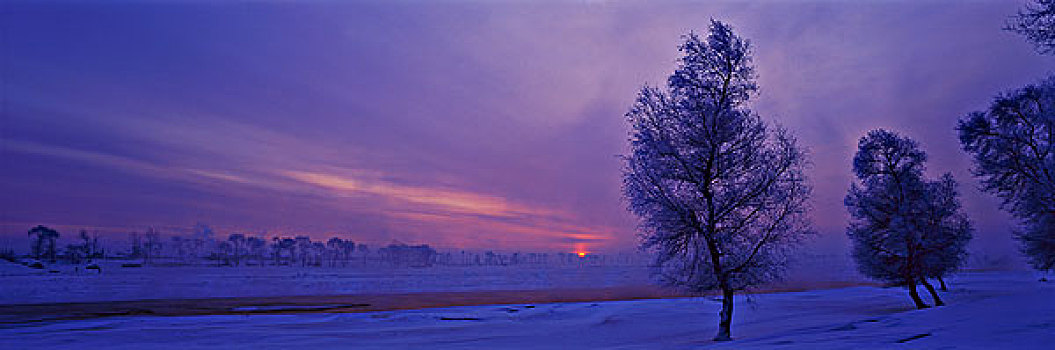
point(256, 248)
point(721, 196)
point(303, 249)
point(1036, 21)
point(885, 246)
point(152, 246)
point(904, 229)
point(44, 244)
point(1013, 146)
point(90, 245)
point(237, 243)
point(340, 250)
point(84, 252)
point(946, 232)
point(885, 243)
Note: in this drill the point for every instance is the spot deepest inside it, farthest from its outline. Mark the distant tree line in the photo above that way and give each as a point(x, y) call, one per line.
point(203, 247)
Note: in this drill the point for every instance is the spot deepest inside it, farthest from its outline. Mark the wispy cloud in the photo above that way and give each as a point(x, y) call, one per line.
point(128, 164)
point(223, 176)
point(463, 202)
point(463, 209)
point(463, 214)
point(540, 230)
point(83, 156)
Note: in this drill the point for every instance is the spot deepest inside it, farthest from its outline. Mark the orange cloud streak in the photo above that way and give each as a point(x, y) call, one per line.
point(447, 200)
point(468, 211)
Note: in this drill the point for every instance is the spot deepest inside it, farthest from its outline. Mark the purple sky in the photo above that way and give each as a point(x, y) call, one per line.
point(464, 124)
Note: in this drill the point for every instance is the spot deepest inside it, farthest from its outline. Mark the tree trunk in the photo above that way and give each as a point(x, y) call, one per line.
point(726, 316)
point(933, 294)
point(915, 296)
point(942, 282)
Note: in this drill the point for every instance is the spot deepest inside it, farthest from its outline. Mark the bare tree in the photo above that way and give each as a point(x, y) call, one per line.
point(721, 195)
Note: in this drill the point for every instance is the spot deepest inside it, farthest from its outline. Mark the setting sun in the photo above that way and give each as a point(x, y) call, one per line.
point(582, 254)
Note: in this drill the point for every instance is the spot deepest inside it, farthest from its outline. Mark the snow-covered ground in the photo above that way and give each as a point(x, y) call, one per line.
point(22, 285)
point(991, 310)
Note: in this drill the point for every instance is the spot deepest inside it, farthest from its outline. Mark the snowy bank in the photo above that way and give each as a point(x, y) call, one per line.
point(1008, 310)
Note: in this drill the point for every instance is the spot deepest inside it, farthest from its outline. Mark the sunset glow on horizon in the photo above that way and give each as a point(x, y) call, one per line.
point(491, 126)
